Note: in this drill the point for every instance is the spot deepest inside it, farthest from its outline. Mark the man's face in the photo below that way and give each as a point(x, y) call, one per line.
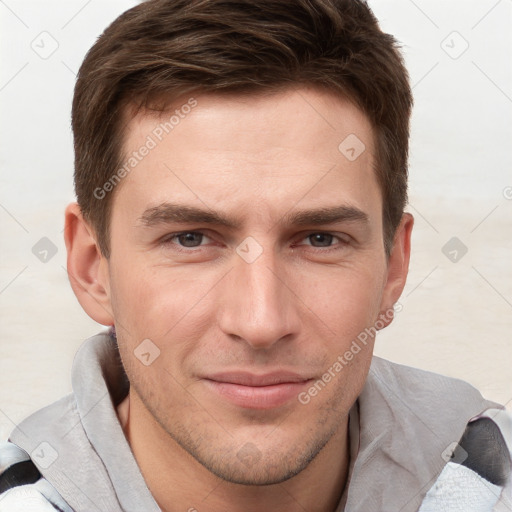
point(248, 316)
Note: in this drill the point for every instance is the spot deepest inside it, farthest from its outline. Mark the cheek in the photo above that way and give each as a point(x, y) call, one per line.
point(346, 301)
point(158, 304)
point(349, 306)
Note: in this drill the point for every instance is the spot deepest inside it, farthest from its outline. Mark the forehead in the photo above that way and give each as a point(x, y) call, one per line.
point(277, 149)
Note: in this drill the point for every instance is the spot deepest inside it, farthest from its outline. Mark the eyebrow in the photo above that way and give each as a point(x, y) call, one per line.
point(167, 213)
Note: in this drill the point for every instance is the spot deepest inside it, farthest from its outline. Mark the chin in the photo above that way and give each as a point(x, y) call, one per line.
point(261, 474)
point(249, 465)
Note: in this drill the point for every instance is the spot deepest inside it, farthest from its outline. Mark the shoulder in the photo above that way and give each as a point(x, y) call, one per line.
point(22, 487)
point(478, 469)
point(417, 385)
point(478, 473)
point(416, 376)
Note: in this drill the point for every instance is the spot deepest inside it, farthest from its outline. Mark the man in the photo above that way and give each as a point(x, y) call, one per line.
point(241, 177)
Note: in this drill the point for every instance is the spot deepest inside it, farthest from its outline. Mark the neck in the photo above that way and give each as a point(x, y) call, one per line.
point(178, 482)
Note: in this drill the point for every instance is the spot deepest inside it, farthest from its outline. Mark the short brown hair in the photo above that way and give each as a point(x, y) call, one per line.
point(166, 48)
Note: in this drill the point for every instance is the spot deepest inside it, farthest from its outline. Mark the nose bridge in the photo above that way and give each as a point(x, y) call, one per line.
point(259, 307)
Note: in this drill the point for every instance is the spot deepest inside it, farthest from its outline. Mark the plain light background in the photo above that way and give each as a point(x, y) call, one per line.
point(457, 315)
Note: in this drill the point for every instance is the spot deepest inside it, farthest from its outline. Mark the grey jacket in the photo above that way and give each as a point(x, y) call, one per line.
point(411, 447)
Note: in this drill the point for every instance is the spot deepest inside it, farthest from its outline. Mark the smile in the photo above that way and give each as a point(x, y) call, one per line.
point(257, 392)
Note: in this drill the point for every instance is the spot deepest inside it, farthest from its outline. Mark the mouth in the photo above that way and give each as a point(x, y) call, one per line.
point(252, 391)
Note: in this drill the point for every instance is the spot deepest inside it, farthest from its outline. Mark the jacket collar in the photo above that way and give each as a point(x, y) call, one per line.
point(401, 429)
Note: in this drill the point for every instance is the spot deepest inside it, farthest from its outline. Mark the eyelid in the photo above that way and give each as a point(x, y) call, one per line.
point(343, 240)
point(342, 237)
point(169, 237)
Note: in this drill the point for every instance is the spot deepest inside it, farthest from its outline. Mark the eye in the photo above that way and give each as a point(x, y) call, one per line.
point(323, 239)
point(327, 240)
point(189, 239)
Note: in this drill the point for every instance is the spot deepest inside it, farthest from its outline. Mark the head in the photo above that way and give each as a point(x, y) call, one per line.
point(275, 140)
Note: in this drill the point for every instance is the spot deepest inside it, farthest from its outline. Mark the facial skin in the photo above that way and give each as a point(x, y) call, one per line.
point(295, 308)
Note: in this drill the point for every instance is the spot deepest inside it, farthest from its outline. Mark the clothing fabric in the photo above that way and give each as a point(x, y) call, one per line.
point(418, 442)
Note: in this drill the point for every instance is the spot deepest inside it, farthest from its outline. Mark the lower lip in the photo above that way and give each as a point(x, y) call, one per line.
point(258, 397)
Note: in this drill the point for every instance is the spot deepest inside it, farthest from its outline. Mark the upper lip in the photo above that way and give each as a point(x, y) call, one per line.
point(252, 379)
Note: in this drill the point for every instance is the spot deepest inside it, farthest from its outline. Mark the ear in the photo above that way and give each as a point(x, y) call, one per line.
point(398, 268)
point(87, 268)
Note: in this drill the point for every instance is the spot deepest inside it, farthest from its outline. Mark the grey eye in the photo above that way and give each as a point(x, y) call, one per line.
point(190, 239)
point(324, 239)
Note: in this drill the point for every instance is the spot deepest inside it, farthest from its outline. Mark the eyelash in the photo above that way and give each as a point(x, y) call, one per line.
point(167, 240)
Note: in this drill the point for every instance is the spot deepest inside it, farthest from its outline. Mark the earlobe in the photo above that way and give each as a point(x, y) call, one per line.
point(398, 268)
point(87, 268)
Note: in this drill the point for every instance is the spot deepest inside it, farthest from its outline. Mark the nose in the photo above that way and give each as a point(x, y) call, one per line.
point(259, 306)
